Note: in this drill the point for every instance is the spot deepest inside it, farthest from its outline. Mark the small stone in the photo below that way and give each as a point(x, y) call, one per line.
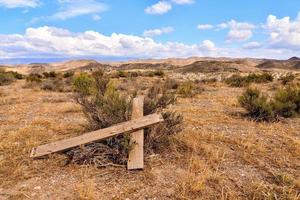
point(37, 187)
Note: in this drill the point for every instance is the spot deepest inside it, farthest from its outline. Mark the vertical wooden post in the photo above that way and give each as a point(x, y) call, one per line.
point(136, 155)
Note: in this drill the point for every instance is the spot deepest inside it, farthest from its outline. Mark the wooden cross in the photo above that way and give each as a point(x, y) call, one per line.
point(135, 125)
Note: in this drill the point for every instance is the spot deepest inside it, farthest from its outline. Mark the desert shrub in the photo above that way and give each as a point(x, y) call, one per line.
point(17, 75)
point(171, 84)
point(134, 74)
point(208, 80)
point(6, 78)
point(287, 79)
point(34, 77)
point(236, 81)
point(105, 106)
point(83, 84)
point(258, 106)
point(51, 74)
point(259, 78)
point(186, 89)
point(149, 73)
point(287, 101)
point(159, 73)
point(242, 81)
point(157, 99)
point(53, 84)
point(122, 73)
point(68, 74)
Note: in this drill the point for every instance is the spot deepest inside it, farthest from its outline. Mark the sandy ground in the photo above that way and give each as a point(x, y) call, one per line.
point(219, 154)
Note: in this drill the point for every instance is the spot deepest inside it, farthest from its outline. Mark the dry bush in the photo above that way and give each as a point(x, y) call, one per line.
point(286, 103)
point(68, 74)
point(53, 84)
point(257, 105)
point(105, 106)
point(242, 81)
point(51, 74)
point(171, 84)
point(156, 100)
point(7, 78)
point(34, 78)
point(288, 79)
point(189, 89)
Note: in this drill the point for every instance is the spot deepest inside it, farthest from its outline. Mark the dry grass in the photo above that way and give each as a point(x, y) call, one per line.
point(218, 155)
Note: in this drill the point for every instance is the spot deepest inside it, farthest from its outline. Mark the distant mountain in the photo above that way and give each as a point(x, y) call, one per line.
point(294, 59)
point(290, 64)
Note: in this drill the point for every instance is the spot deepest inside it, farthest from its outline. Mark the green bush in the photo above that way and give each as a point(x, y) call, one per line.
point(260, 78)
point(186, 89)
point(257, 105)
point(34, 77)
point(287, 79)
point(242, 81)
point(17, 75)
point(6, 78)
point(237, 81)
point(51, 74)
point(83, 84)
point(122, 74)
point(159, 73)
point(106, 106)
point(68, 74)
point(287, 101)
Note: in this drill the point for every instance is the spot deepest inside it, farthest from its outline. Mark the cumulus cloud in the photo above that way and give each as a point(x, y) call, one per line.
point(239, 31)
point(157, 32)
point(205, 26)
point(208, 45)
point(182, 2)
point(19, 3)
point(96, 17)
point(56, 42)
point(222, 26)
point(252, 45)
point(284, 32)
point(75, 8)
point(159, 8)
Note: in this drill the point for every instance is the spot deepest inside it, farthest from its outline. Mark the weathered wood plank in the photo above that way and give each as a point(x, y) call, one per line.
point(136, 155)
point(66, 144)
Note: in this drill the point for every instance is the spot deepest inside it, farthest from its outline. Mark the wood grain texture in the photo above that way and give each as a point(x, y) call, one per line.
point(66, 144)
point(136, 155)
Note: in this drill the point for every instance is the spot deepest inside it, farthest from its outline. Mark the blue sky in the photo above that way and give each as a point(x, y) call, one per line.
point(122, 29)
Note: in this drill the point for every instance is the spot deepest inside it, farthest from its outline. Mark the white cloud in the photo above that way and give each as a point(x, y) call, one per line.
point(182, 2)
point(205, 26)
point(283, 33)
point(74, 8)
point(19, 3)
point(159, 8)
point(208, 45)
point(238, 35)
point(222, 26)
point(56, 42)
point(239, 31)
point(252, 45)
point(157, 32)
point(96, 17)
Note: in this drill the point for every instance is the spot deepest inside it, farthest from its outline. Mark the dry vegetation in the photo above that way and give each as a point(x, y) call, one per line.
point(219, 154)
